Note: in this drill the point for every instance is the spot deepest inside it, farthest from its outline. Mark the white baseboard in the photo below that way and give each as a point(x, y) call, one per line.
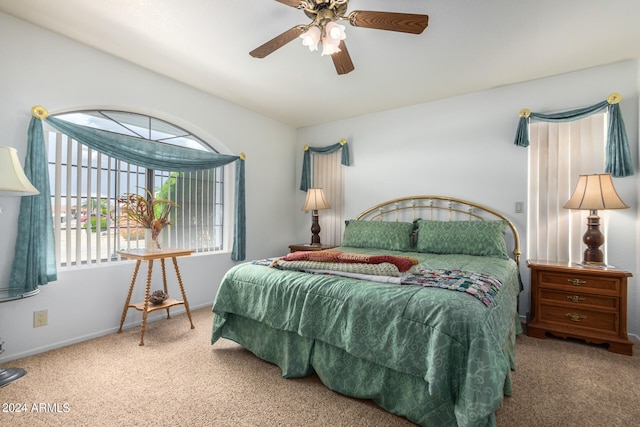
point(152, 318)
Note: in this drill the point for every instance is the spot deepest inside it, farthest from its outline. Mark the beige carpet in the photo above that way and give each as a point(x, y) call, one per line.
point(179, 379)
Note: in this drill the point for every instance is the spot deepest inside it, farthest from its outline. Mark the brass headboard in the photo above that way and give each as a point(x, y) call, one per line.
point(439, 208)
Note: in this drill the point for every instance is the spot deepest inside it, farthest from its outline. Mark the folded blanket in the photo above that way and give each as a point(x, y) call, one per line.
point(382, 269)
point(482, 286)
point(367, 277)
point(402, 263)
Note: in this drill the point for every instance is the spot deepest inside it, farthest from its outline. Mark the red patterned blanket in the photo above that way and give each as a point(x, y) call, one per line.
point(403, 263)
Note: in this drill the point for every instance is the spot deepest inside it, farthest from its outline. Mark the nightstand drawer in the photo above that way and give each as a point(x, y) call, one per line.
point(579, 281)
point(579, 299)
point(580, 318)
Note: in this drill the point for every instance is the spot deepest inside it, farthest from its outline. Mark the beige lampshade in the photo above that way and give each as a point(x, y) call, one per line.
point(315, 200)
point(595, 192)
point(13, 181)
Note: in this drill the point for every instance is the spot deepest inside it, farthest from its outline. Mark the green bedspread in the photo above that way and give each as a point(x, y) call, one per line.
point(437, 356)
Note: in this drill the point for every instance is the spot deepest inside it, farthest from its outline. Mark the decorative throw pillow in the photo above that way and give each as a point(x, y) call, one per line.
point(395, 236)
point(484, 238)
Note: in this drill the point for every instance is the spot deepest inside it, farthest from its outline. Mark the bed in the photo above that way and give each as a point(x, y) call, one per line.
point(432, 341)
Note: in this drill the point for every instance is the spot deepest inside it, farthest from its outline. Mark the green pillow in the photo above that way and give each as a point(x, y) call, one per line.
point(484, 238)
point(395, 236)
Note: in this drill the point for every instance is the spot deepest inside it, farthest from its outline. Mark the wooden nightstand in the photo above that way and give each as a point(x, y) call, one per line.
point(570, 300)
point(308, 247)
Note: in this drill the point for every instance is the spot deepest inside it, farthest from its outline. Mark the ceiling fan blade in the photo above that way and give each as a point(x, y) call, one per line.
point(292, 3)
point(391, 21)
point(277, 42)
point(342, 60)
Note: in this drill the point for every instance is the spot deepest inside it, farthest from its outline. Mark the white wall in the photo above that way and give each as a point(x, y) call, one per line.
point(463, 147)
point(42, 68)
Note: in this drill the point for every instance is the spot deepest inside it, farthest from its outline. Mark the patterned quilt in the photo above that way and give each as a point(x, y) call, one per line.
point(482, 286)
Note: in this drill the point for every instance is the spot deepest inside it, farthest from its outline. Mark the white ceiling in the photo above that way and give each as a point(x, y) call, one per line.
point(469, 45)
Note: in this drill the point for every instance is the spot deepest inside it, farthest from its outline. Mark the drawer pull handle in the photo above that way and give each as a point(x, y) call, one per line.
point(576, 282)
point(575, 298)
point(575, 317)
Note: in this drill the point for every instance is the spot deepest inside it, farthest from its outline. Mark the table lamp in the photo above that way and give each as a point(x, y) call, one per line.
point(13, 182)
point(594, 192)
point(314, 202)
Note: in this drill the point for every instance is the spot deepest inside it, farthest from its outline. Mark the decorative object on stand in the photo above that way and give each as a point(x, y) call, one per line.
point(152, 239)
point(157, 297)
point(150, 213)
point(13, 182)
point(315, 201)
point(325, 28)
point(594, 192)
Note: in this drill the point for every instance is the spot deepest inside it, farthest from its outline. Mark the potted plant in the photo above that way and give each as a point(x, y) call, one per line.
point(148, 212)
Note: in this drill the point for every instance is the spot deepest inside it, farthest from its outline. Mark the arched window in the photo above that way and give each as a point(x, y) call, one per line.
point(86, 186)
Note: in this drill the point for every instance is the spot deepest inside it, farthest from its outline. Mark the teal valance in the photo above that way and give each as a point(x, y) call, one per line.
point(34, 262)
point(618, 161)
point(305, 181)
point(142, 152)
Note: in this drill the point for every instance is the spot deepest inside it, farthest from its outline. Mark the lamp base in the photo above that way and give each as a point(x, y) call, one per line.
point(593, 238)
point(8, 375)
point(315, 229)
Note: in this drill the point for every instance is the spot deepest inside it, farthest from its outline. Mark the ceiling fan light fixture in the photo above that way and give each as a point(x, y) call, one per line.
point(335, 32)
point(311, 38)
point(324, 28)
point(328, 48)
point(333, 35)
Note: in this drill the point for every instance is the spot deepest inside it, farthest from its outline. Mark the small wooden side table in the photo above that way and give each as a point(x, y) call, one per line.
point(145, 306)
point(308, 247)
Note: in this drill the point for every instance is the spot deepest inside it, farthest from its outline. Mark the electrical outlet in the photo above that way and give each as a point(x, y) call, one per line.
point(40, 318)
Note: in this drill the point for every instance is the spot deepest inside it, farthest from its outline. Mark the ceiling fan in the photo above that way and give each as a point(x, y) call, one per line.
point(325, 28)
